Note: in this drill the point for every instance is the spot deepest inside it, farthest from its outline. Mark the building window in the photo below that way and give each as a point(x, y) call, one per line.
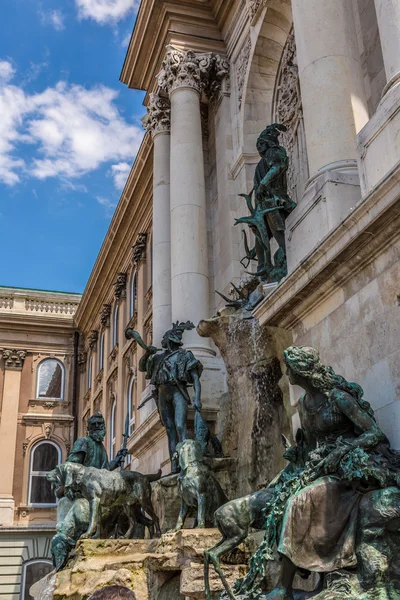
point(131, 403)
point(101, 350)
point(115, 325)
point(45, 456)
point(112, 430)
point(90, 372)
point(50, 379)
point(33, 571)
point(133, 295)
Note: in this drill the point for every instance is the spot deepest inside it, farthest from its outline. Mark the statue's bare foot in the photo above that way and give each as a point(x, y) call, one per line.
point(277, 594)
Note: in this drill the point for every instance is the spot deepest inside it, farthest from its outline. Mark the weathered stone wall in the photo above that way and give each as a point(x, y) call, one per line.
point(256, 410)
point(357, 331)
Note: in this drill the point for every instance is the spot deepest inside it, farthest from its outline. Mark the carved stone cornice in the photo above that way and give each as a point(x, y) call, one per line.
point(93, 339)
point(195, 70)
point(14, 359)
point(139, 248)
point(105, 315)
point(158, 117)
point(120, 286)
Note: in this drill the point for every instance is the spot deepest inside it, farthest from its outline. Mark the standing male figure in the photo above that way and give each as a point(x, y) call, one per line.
point(171, 372)
point(271, 192)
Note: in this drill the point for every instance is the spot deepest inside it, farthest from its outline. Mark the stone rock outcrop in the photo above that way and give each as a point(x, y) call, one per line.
point(256, 410)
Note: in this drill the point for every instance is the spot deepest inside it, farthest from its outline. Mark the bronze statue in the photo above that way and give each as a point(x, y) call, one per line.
point(171, 372)
point(272, 206)
point(335, 509)
point(73, 511)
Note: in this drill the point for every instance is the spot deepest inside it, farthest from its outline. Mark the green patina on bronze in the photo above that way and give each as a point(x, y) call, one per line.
point(272, 206)
point(335, 509)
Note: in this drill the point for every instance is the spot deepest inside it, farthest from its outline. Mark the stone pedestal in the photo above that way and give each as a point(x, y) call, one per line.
point(147, 567)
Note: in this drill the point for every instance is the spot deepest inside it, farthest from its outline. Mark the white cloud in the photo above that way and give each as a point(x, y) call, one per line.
point(6, 70)
point(120, 174)
point(73, 131)
point(54, 18)
point(126, 40)
point(105, 11)
point(108, 205)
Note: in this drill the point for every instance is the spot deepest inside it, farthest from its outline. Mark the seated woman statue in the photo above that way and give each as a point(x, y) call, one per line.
point(312, 514)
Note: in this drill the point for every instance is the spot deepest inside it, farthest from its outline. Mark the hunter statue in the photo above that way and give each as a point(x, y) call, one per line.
point(73, 511)
point(272, 206)
point(171, 372)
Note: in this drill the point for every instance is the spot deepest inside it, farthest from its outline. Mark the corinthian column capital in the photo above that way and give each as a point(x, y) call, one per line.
point(14, 359)
point(195, 70)
point(158, 117)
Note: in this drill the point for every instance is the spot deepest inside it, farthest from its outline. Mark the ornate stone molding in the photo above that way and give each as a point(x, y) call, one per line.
point(199, 71)
point(254, 6)
point(120, 286)
point(158, 117)
point(241, 69)
point(130, 366)
point(14, 359)
point(82, 361)
point(139, 248)
point(46, 404)
point(105, 315)
point(93, 339)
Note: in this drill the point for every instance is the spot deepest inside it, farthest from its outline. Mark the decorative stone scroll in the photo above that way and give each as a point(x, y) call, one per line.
point(82, 360)
point(105, 315)
point(14, 359)
point(120, 286)
point(139, 248)
point(254, 6)
point(200, 71)
point(158, 117)
point(288, 110)
point(93, 339)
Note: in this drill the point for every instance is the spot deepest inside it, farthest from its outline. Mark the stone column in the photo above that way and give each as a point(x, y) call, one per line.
point(157, 121)
point(335, 109)
point(332, 89)
point(184, 76)
point(388, 14)
point(13, 363)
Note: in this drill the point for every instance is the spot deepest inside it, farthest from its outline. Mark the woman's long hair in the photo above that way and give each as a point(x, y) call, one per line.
point(306, 362)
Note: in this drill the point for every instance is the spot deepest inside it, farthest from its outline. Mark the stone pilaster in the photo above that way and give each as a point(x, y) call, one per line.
point(388, 15)
point(13, 364)
point(158, 123)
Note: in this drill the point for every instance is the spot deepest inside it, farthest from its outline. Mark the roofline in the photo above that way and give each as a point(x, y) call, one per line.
point(22, 289)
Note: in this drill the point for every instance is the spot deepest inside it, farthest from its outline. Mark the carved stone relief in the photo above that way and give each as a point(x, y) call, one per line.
point(139, 248)
point(288, 111)
point(254, 6)
point(14, 359)
point(105, 315)
point(93, 338)
point(158, 117)
point(120, 286)
point(82, 360)
point(241, 69)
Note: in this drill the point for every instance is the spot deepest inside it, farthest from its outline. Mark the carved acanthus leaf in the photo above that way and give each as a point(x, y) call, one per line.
point(200, 71)
point(254, 6)
point(14, 359)
point(241, 69)
point(93, 338)
point(158, 117)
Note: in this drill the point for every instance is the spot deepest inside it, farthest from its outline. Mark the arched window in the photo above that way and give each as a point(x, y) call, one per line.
point(130, 403)
point(33, 571)
point(101, 350)
point(90, 372)
point(112, 430)
point(45, 456)
point(133, 294)
point(50, 379)
point(115, 325)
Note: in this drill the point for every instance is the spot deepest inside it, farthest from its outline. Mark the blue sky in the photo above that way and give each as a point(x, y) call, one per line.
point(69, 133)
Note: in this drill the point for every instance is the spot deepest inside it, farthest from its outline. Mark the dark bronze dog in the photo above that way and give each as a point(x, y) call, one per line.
point(197, 486)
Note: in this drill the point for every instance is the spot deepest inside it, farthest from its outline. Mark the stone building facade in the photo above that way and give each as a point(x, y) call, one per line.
point(37, 395)
point(215, 73)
